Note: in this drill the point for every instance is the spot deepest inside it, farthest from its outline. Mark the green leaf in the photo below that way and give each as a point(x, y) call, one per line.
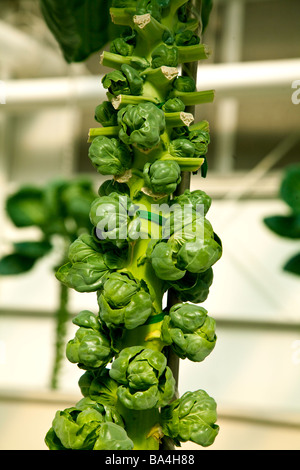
point(290, 188)
point(293, 265)
point(207, 6)
point(26, 208)
point(284, 226)
point(80, 27)
point(15, 264)
point(33, 249)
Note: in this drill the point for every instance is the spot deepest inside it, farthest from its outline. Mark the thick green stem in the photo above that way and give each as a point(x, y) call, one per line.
point(103, 131)
point(142, 427)
point(195, 97)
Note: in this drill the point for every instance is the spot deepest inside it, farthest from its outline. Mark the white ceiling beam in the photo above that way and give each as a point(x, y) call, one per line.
point(226, 79)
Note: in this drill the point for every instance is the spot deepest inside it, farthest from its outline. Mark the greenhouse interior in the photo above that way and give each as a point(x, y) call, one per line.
point(47, 110)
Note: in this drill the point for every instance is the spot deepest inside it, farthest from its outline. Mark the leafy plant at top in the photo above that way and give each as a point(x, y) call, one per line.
point(288, 225)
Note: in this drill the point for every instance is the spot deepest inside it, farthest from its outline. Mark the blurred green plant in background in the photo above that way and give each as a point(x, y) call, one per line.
point(60, 210)
point(288, 225)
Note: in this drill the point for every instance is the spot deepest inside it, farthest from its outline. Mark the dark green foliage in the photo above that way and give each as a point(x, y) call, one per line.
point(80, 27)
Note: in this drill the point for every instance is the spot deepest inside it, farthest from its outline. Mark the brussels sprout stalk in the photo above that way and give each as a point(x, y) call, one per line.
point(147, 240)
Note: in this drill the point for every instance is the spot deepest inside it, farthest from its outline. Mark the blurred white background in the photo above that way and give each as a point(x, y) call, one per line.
point(254, 371)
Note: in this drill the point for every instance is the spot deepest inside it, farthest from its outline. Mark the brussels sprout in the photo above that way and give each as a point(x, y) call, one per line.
point(199, 255)
point(182, 148)
point(162, 177)
point(163, 261)
point(111, 216)
point(106, 114)
point(200, 141)
point(141, 125)
point(125, 44)
point(90, 348)
point(120, 46)
point(173, 105)
point(197, 199)
point(88, 264)
point(186, 38)
point(112, 186)
point(126, 81)
point(100, 387)
point(85, 427)
point(116, 83)
point(189, 332)
point(186, 223)
point(112, 437)
point(185, 83)
point(191, 418)
point(133, 78)
point(109, 156)
point(145, 379)
point(193, 287)
point(164, 55)
point(123, 301)
point(154, 7)
point(191, 245)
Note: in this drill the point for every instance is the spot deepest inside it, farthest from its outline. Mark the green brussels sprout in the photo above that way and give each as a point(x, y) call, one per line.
point(173, 105)
point(179, 132)
point(116, 83)
point(134, 79)
point(141, 125)
point(88, 264)
point(196, 198)
point(123, 301)
point(199, 255)
point(189, 332)
point(164, 55)
point(185, 84)
point(200, 141)
point(168, 37)
point(91, 347)
point(145, 379)
point(106, 114)
point(191, 418)
point(126, 81)
point(109, 156)
point(86, 426)
point(154, 7)
point(100, 387)
point(125, 44)
point(182, 148)
point(111, 215)
point(113, 186)
point(193, 287)
point(121, 47)
point(191, 245)
point(163, 260)
point(186, 222)
point(162, 177)
point(112, 437)
point(187, 38)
